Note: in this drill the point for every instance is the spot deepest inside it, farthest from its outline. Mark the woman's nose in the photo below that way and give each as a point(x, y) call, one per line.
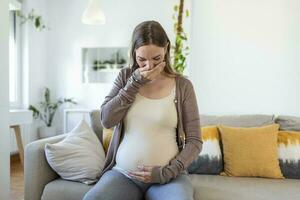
point(150, 64)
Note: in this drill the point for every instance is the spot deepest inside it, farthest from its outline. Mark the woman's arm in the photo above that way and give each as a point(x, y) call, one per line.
point(193, 143)
point(119, 99)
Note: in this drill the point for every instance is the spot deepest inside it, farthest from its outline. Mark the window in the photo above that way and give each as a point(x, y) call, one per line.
point(15, 95)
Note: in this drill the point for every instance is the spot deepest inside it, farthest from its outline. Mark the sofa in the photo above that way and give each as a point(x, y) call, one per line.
point(41, 182)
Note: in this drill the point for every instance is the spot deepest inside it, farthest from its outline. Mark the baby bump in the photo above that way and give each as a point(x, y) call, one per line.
point(151, 151)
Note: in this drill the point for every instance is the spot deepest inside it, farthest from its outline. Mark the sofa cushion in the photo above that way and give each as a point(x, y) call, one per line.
point(209, 161)
point(214, 187)
point(288, 123)
point(250, 151)
point(66, 190)
point(79, 156)
point(289, 153)
point(237, 120)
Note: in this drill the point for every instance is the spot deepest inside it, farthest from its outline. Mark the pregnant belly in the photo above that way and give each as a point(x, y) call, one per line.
point(145, 151)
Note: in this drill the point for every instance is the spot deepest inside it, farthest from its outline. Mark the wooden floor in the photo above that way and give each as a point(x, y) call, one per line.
point(16, 178)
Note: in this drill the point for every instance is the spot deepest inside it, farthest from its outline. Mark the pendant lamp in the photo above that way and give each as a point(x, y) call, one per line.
point(93, 15)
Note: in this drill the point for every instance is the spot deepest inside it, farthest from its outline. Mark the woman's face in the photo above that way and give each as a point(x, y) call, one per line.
point(150, 55)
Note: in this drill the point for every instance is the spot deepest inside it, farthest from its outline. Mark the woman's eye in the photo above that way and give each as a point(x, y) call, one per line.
point(142, 60)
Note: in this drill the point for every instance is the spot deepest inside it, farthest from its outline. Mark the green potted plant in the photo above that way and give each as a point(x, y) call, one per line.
point(46, 112)
point(180, 50)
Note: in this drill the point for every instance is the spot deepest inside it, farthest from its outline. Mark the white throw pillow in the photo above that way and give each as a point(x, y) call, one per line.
point(79, 157)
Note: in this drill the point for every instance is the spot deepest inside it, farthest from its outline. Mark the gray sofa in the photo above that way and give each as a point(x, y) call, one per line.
point(41, 182)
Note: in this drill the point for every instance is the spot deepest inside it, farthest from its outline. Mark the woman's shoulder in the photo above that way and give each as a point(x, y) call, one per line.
point(185, 87)
point(184, 81)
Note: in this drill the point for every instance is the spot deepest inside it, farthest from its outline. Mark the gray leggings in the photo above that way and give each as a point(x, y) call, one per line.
point(114, 185)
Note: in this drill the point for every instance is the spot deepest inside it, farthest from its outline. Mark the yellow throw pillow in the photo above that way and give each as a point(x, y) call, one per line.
point(250, 151)
point(107, 135)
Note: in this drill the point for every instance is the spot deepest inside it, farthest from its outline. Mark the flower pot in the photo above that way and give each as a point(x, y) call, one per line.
point(46, 131)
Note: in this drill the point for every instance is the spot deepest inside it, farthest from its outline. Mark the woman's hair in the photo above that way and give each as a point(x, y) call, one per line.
point(146, 33)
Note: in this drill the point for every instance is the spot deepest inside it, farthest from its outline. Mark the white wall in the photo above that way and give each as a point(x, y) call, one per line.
point(4, 130)
point(36, 72)
point(34, 58)
point(68, 35)
point(245, 56)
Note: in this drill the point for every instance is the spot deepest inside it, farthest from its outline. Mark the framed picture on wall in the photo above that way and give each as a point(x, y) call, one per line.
point(102, 64)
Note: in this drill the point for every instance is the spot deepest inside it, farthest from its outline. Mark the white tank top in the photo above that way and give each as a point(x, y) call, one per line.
point(150, 133)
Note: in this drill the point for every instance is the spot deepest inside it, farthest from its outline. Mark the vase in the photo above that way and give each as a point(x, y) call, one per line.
point(45, 131)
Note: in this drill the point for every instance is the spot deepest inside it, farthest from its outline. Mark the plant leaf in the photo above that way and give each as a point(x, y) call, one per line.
point(47, 95)
point(187, 13)
point(176, 8)
point(35, 111)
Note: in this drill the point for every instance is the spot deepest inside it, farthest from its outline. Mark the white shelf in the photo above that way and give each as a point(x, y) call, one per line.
point(17, 117)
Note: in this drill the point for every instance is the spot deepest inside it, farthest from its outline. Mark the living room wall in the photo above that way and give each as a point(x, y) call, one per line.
point(35, 72)
point(245, 56)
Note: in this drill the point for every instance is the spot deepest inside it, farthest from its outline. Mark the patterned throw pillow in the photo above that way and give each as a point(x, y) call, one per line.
point(209, 160)
point(289, 153)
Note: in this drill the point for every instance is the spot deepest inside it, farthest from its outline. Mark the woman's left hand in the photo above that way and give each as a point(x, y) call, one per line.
point(144, 173)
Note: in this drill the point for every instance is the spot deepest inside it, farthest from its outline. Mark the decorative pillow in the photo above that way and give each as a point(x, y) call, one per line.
point(79, 157)
point(250, 151)
point(288, 123)
point(107, 135)
point(289, 153)
point(209, 160)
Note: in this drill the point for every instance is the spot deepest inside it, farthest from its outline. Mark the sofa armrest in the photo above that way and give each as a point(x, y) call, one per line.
point(37, 172)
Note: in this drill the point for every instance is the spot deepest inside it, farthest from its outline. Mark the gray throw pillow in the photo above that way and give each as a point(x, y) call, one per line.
point(79, 157)
point(288, 123)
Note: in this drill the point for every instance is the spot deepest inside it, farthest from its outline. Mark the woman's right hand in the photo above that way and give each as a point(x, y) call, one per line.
point(151, 74)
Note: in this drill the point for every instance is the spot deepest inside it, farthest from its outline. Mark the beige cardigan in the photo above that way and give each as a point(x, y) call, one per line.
point(121, 97)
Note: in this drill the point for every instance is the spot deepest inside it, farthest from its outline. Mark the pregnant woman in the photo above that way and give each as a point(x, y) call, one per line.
point(156, 136)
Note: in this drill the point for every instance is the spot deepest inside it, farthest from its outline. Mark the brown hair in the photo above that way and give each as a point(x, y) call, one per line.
point(146, 33)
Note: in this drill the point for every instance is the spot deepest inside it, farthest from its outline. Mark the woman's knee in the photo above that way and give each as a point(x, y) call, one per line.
point(113, 185)
point(97, 191)
point(179, 188)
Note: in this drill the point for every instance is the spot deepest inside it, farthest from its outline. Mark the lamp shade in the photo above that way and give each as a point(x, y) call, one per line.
point(93, 15)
